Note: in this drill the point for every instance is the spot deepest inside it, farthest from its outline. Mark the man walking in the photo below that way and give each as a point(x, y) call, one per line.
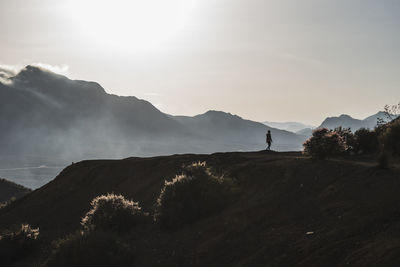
point(269, 140)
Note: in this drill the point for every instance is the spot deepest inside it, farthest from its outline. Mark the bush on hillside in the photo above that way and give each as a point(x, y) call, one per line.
point(95, 248)
point(390, 138)
point(366, 141)
point(324, 143)
point(113, 213)
point(6, 203)
point(3, 204)
point(19, 243)
point(194, 194)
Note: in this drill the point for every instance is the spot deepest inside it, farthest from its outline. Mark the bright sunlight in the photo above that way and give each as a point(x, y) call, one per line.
point(135, 24)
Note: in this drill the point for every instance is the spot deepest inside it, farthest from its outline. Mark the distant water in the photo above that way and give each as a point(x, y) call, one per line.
point(32, 171)
point(31, 176)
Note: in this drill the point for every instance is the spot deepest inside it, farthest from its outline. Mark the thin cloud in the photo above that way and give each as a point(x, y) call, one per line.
point(8, 71)
point(59, 69)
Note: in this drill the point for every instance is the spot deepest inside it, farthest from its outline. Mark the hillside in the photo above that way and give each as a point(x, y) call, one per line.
point(349, 209)
point(10, 190)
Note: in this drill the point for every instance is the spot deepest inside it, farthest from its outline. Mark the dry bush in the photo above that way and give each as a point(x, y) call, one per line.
point(193, 195)
point(18, 243)
point(113, 213)
point(95, 248)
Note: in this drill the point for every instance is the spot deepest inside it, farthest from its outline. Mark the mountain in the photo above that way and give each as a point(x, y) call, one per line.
point(288, 126)
point(290, 211)
point(54, 112)
point(305, 132)
point(10, 190)
point(237, 133)
point(347, 121)
point(48, 119)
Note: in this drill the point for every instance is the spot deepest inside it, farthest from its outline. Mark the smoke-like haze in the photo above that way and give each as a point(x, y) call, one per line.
point(48, 119)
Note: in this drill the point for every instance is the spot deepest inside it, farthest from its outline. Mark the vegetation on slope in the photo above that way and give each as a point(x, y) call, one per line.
point(383, 140)
point(289, 211)
point(10, 190)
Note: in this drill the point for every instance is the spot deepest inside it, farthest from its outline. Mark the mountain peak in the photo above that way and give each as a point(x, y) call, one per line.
point(41, 79)
point(345, 116)
point(217, 113)
point(31, 72)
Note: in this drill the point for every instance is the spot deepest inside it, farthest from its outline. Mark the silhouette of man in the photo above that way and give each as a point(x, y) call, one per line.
point(269, 140)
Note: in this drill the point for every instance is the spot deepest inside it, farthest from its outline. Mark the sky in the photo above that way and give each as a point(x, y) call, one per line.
point(264, 60)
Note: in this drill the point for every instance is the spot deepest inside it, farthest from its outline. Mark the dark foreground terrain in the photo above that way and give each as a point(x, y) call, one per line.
point(290, 211)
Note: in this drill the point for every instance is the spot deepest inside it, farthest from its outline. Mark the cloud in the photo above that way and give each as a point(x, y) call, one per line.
point(8, 71)
point(59, 69)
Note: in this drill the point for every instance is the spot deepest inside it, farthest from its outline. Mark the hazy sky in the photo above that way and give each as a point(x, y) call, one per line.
point(276, 60)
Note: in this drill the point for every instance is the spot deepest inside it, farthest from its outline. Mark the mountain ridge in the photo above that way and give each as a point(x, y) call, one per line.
point(50, 115)
point(346, 121)
point(288, 126)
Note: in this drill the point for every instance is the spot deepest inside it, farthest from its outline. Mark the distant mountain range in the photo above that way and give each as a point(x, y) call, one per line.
point(347, 121)
point(45, 112)
point(48, 116)
point(288, 126)
point(48, 119)
point(343, 120)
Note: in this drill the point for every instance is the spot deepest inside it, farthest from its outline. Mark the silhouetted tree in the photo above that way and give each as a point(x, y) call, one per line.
point(391, 113)
point(324, 143)
point(366, 141)
point(390, 138)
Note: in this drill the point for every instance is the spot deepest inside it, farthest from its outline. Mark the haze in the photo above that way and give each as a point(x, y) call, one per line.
point(276, 60)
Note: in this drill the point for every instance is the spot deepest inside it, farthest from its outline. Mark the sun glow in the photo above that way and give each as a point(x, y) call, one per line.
point(135, 24)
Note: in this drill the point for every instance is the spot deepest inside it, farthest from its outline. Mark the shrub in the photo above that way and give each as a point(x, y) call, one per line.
point(324, 143)
point(194, 194)
point(390, 138)
point(366, 141)
point(112, 212)
point(17, 244)
point(6, 203)
point(95, 248)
